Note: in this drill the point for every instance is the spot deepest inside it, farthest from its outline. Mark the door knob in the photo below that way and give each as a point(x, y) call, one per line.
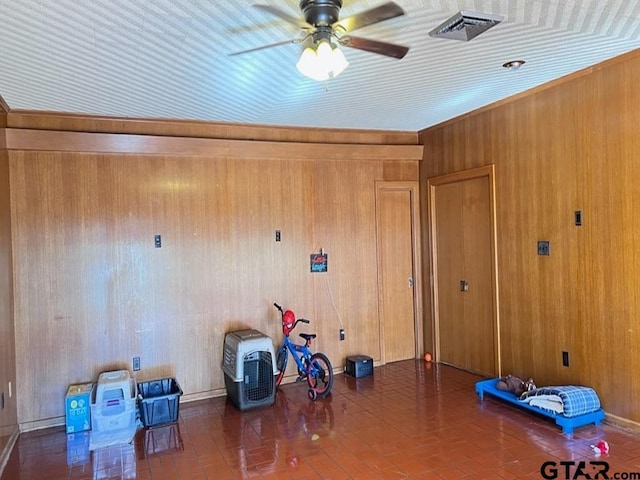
point(464, 286)
point(410, 282)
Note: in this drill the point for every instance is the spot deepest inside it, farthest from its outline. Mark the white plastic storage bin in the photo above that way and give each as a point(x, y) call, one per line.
point(249, 366)
point(113, 405)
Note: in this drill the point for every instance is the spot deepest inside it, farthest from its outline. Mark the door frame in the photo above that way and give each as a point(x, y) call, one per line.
point(414, 189)
point(433, 182)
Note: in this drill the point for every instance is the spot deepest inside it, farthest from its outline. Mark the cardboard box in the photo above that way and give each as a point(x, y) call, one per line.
point(77, 407)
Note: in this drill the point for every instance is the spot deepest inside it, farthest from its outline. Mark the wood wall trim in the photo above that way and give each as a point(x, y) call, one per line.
point(3, 106)
point(484, 171)
point(3, 139)
point(533, 91)
point(41, 424)
point(194, 397)
point(41, 140)
point(8, 448)
point(625, 423)
point(60, 121)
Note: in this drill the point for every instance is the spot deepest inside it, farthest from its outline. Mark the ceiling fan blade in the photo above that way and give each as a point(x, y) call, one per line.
point(375, 46)
point(298, 22)
point(369, 17)
point(271, 45)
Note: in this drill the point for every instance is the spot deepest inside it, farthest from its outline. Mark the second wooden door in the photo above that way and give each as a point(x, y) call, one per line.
point(462, 230)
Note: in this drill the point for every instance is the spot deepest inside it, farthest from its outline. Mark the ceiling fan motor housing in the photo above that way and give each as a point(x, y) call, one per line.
point(321, 13)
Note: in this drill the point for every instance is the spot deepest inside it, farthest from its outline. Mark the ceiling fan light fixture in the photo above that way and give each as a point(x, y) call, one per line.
point(340, 63)
point(325, 56)
point(309, 67)
point(322, 62)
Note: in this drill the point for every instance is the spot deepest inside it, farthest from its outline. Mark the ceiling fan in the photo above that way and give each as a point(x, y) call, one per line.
point(323, 32)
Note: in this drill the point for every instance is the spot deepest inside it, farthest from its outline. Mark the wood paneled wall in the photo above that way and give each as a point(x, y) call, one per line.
point(573, 146)
point(8, 414)
point(92, 291)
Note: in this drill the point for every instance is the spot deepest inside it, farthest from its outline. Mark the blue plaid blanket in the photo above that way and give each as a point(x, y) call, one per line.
point(576, 400)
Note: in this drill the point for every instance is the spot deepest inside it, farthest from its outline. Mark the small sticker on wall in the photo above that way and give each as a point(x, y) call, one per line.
point(318, 263)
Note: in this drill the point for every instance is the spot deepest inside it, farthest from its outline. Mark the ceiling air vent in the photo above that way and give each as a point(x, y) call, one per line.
point(465, 25)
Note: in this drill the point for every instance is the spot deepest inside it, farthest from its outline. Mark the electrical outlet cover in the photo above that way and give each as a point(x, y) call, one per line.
point(565, 359)
point(543, 248)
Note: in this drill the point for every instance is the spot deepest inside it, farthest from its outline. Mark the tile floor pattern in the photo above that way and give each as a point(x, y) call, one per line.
point(411, 420)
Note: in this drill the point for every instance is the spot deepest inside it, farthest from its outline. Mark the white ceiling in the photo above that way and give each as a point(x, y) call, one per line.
point(169, 59)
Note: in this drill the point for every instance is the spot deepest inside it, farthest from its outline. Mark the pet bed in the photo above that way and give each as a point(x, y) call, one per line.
point(570, 406)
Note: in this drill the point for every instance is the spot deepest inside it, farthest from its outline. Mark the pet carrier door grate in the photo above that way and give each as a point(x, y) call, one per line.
point(258, 376)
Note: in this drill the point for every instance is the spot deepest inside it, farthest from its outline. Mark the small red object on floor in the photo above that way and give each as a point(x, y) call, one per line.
point(601, 447)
